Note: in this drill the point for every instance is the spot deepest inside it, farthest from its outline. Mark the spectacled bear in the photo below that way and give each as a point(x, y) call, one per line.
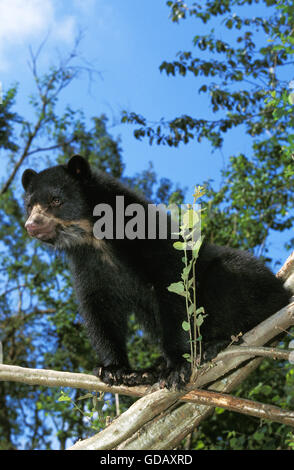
point(116, 277)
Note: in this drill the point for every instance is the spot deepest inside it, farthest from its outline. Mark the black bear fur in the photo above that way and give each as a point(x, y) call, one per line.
point(114, 278)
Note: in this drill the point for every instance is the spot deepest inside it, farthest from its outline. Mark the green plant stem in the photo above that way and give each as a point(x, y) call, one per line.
point(196, 329)
point(186, 283)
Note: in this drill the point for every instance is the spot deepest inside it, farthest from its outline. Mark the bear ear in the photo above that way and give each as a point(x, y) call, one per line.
point(27, 177)
point(79, 167)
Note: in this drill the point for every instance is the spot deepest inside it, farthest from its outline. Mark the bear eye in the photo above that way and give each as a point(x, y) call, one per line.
point(56, 201)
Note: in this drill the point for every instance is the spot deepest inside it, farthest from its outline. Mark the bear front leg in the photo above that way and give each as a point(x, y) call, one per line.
point(108, 337)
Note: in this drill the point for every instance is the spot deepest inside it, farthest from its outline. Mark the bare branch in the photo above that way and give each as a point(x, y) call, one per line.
point(241, 405)
point(52, 378)
point(286, 273)
point(24, 153)
point(47, 149)
point(252, 351)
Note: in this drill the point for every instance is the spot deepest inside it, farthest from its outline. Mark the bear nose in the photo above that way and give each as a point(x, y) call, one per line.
point(31, 227)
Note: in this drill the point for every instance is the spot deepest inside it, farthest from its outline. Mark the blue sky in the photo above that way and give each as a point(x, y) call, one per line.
point(126, 41)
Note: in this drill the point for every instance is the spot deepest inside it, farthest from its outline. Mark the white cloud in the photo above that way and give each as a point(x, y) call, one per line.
point(19, 19)
point(23, 21)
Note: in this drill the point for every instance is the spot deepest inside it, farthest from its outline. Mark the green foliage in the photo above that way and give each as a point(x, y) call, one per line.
point(7, 119)
point(94, 415)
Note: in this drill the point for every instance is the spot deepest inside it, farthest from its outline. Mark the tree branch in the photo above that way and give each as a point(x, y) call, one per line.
point(24, 153)
point(287, 268)
point(144, 410)
point(53, 378)
point(241, 405)
point(286, 272)
point(252, 351)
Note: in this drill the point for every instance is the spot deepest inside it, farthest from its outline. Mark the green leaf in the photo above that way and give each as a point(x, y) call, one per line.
point(258, 436)
point(229, 24)
point(186, 326)
point(278, 113)
point(180, 245)
point(200, 310)
point(291, 98)
point(196, 247)
point(266, 390)
point(186, 272)
point(85, 397)
point(191, 309)
point(187, 357)
point(177, 288)
point(64, 397)
point(199, 320)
